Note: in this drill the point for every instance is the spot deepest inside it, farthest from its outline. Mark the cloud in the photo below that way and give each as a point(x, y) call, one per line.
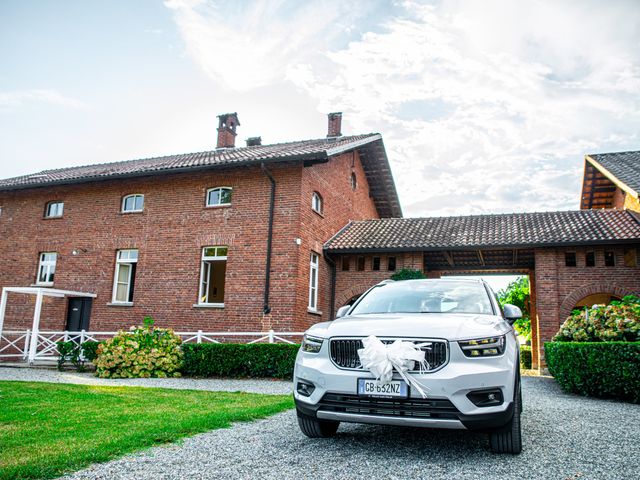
point(19, 98)
point(489, 106)
point(246, 45)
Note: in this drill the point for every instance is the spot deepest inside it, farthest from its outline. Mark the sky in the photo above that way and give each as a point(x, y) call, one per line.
point(484, 106)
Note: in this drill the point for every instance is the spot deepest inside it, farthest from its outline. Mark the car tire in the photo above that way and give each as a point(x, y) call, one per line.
point(314, 428)
point(509, 438)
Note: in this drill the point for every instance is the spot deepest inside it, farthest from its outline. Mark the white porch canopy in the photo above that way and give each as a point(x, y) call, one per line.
point(40, 293)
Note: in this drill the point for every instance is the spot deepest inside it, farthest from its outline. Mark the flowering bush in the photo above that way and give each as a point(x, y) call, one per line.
point(619, 321)
point(144, 351)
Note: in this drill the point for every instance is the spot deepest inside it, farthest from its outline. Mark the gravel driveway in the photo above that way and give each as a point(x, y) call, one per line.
point(565, 437)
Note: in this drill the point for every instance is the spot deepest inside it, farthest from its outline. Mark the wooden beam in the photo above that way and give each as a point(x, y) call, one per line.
point(449, 257)
point(481, 258)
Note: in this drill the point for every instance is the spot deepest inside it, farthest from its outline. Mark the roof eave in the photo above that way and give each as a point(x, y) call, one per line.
point(611, 176)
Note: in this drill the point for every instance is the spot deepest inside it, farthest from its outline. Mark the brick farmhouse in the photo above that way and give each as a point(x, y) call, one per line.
point(279, 236)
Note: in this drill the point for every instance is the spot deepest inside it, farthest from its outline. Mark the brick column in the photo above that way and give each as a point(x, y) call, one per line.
point(547, 304)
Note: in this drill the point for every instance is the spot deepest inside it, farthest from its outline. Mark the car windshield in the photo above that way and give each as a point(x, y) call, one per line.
point(426, 296)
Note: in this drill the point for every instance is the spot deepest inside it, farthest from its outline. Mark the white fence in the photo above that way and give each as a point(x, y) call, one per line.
point(21, 346)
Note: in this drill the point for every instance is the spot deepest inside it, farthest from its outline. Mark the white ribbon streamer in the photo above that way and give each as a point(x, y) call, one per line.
point(381, 359)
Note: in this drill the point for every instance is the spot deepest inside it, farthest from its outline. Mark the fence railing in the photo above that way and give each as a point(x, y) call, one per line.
point(21, 344)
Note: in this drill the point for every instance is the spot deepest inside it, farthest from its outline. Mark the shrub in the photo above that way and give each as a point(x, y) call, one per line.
point(69, 351)
point(525, 357)
point(619, 321)
point(605, 369)
point(407, 274)
point(144, 351)
point(90, 350)
point(239, 360)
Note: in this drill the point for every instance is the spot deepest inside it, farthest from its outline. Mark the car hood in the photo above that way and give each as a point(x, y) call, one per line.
point(450, 326)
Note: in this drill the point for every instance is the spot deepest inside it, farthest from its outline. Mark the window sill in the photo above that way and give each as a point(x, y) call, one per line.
point(59, 217)
point(222, 205)
point(131, 212)
point(313, 311)
point(320, 214)
point(120, 304)
point(49, 284)
point(208, 305)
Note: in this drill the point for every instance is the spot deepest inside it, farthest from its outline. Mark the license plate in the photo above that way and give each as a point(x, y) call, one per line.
point(371, 388)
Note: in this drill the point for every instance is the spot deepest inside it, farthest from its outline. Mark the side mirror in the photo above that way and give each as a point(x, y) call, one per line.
point(511, 313)
point(342, 311)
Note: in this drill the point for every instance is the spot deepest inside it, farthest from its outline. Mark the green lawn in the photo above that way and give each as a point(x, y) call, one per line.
point(48, 429)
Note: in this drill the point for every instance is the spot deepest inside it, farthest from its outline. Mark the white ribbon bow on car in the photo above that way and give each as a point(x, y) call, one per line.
point(382, 359)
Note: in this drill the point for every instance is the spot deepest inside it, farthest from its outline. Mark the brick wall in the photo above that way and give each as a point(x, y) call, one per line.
point(169, 235)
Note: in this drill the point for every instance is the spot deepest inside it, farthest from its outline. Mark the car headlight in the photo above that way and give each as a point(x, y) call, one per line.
point(311, 344)
point(483, 347)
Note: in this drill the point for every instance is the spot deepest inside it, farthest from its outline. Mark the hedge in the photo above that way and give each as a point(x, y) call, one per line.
point(525, 357)
point(599, 369)
point(239, 360)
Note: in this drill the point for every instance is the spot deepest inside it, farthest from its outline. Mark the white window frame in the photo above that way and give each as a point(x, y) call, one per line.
point(48, 266)
point(135, 196)
point(57, 211)
point(220, 203)
point(124, 257)
point(317, 202)
point(314, 264)
point(203, 292)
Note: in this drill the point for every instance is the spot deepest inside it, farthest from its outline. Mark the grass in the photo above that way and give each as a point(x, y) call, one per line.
point(49, 429)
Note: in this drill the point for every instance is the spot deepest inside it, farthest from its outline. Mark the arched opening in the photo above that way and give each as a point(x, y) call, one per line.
point(352, 300)
point(596, 299)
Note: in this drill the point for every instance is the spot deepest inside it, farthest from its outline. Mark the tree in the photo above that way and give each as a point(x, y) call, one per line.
point(518, 293)
point(408, 274)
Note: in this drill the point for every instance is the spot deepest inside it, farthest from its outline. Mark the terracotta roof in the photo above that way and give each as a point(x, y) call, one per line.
point(488, 231)
point(623, 166)
point(371, 148)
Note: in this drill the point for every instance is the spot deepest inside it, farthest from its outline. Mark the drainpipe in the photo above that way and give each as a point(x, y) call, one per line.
point(332, 300)
point(267, 275)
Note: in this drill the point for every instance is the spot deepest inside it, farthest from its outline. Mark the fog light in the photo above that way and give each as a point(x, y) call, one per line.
point(305, 388)
point(486, 398)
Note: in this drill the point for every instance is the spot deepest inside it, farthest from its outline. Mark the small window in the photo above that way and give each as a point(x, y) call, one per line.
point(345, 264)
point(375, 264)
point(354, 181)
point(590, 259)
point(219, 196)
point(360, 265)
point(47, 268)
point(313, 282)
point(570, 259)
point(609, 259)
point(213, 273)
point(391, 264)
point(54, 209)
point(316, 203)
point(133, 203)
point(125, 277)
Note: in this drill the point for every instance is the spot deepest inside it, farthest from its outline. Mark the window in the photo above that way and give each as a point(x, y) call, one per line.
point(345, 264)
point(570, 259)
point(219, 196)
point(391, 264)
point(133, 203)
point(316, 203)
point(212, 276)
point(375, 264)
point(590, 259)
point(313, 282)
point(360, 265)
point(125, 277)
point(609, 259)
point(354, 181)
point(54, 209)
point(46, 268)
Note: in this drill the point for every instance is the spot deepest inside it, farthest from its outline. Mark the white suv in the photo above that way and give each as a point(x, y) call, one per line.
point(472, 379)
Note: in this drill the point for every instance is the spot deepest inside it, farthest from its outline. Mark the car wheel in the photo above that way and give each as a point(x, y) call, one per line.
point(314, 428)
point(509, 439)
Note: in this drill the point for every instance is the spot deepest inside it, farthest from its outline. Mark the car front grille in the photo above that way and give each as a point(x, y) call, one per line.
point(405, 407)
point(344, 353)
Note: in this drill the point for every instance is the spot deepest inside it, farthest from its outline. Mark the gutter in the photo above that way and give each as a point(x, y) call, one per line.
point(267, 274)
point(332, 294)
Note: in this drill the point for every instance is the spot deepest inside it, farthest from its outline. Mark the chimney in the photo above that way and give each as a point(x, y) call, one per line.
point(227, 130)
point(254, 141)
point(335, 124)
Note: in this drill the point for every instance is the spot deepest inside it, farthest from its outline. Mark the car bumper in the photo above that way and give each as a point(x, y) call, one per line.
point(447, 405)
